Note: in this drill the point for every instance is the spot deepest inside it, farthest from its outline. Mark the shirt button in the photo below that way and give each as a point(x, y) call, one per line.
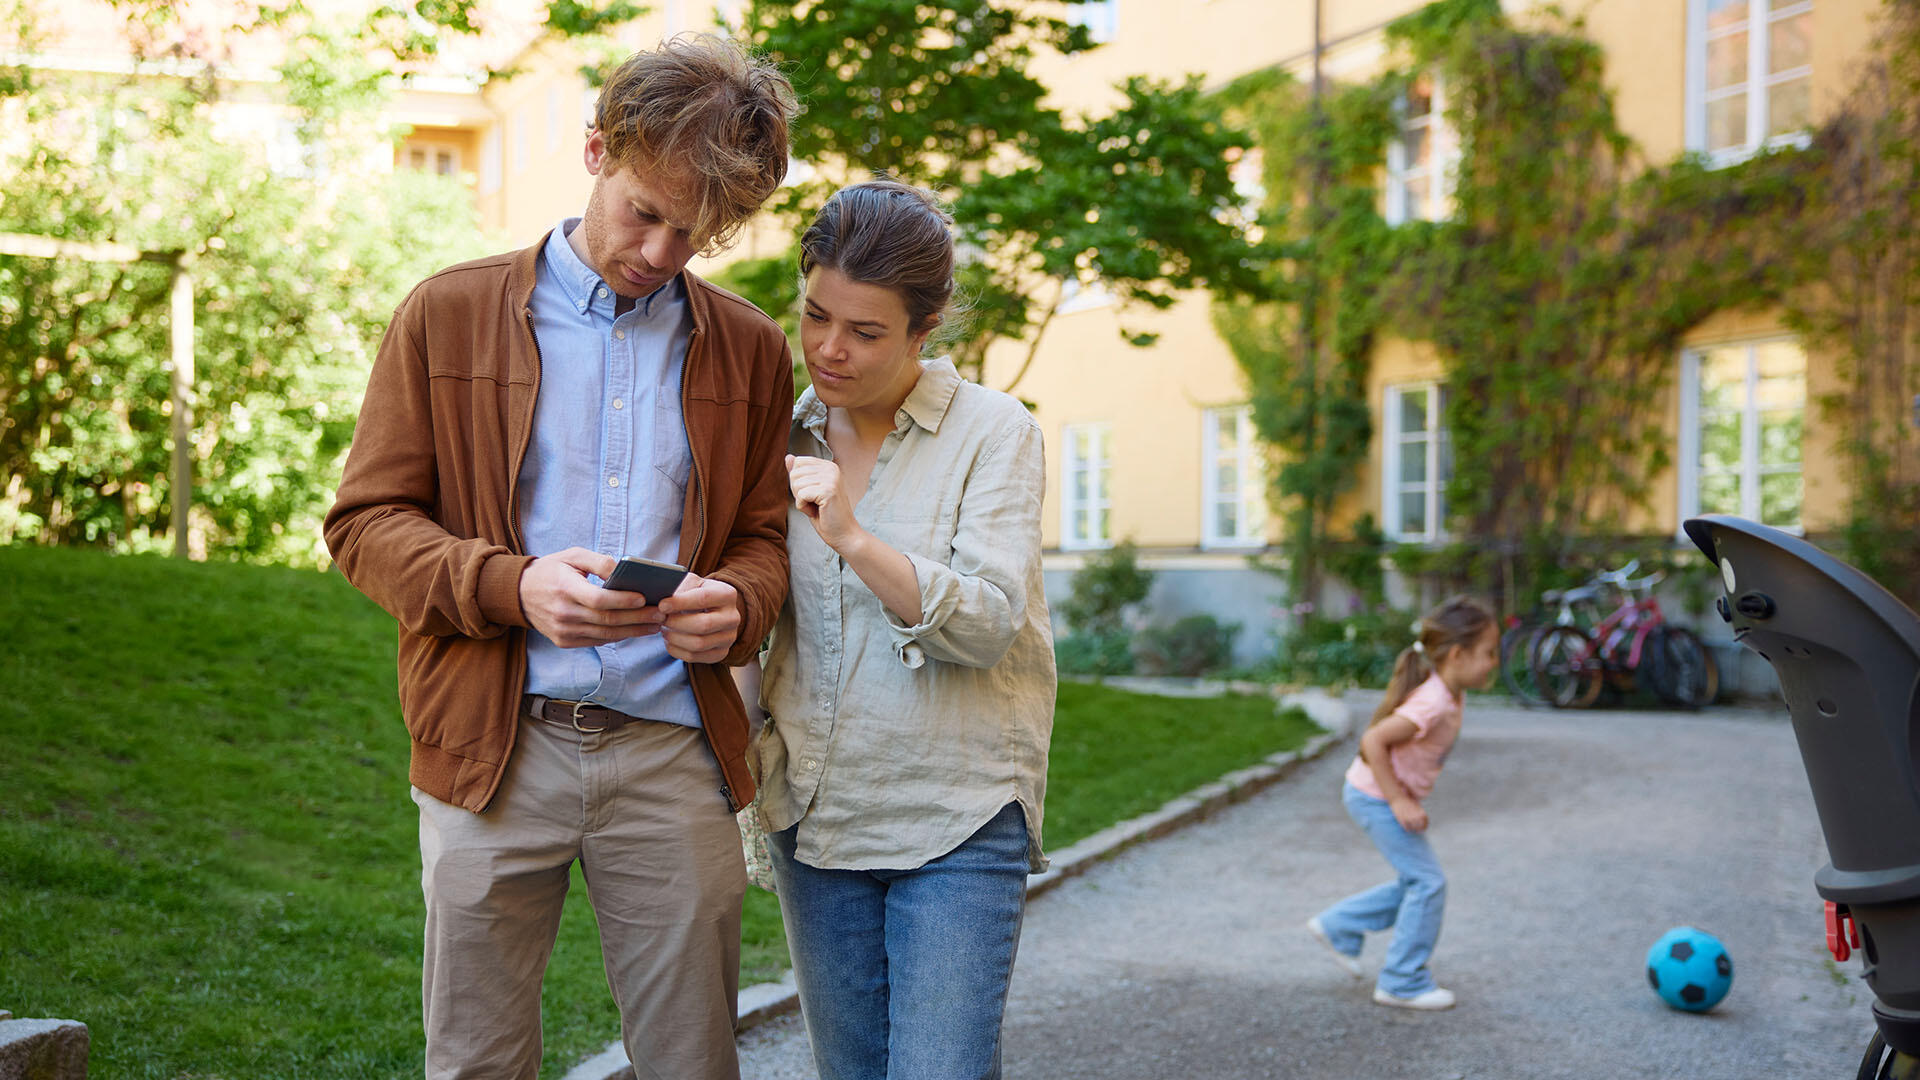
point(620, 335)
point(619, 404)
point(613, 481)
point(811, 764)
point(603, 294)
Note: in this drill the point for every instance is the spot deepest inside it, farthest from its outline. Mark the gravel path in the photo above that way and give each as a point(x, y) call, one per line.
point(1572, 841)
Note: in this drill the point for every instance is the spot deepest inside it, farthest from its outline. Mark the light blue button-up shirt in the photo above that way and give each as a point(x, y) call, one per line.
point(606, 467)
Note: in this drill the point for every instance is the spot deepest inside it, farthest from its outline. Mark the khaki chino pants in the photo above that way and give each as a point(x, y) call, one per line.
point(640, 807)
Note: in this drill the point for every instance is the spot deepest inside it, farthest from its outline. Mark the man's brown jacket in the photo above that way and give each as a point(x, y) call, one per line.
point(425, 522)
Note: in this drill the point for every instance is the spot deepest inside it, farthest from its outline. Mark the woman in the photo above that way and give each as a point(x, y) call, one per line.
point(910, 681)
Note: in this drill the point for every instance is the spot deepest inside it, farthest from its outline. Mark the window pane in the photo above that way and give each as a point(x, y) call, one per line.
point(1418, 146)
point(1226, 481)
point(1781, 392)
point(1789, 106)
point(1420, 98)
point(1100, 525)
point(1780, 437)
point(1720, 442)
point(1226, 440)
point(1727, 122)
point(1419, 200)
point(1727, 61)
point(443, 164)
point(1719, 493)
point(1226, 520)
point(1780, 499)
point(1775, 359)
point(1413, 412)
point(1790, 43)
point(1080, 486)
point(1725, 13)
point(1723, 379)
point(1413, 461)
point(1413, 513)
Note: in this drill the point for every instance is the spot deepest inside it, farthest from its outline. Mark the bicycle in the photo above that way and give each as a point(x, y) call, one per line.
point(1571, 666)
point(1577, 607)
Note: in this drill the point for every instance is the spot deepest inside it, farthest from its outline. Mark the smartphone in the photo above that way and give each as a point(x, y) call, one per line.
point(654, 580)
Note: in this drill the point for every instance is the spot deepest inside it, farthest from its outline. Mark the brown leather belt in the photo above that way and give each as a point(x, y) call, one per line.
point(579, 715)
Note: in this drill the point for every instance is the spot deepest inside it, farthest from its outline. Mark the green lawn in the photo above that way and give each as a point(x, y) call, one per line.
point(208, 855)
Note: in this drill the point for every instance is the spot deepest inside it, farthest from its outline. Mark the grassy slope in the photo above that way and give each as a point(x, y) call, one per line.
point(207, 852)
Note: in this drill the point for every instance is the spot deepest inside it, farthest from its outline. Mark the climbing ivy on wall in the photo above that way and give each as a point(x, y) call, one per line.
point(1560, 287)
point(1862, 233)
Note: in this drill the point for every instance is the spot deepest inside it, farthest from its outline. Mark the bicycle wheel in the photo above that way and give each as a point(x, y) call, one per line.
point(1685, 674)
point(1564, 670)
point(1516, 664)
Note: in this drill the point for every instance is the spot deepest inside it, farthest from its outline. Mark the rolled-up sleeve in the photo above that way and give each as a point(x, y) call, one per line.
point(974, 606)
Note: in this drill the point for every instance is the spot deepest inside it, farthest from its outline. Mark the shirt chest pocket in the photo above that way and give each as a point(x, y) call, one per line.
point(672, 456)
point(929, 535)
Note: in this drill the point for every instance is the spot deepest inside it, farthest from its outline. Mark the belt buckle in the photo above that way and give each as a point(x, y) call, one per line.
point(575, 719)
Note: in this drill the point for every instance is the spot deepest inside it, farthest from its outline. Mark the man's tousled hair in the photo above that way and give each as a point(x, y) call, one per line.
point(699, 110)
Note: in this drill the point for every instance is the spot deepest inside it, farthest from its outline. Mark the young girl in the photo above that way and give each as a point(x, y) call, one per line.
point(1400, 756)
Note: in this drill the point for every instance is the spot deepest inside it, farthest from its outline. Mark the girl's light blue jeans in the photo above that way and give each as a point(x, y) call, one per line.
point(1412, 903)
point(904, 973)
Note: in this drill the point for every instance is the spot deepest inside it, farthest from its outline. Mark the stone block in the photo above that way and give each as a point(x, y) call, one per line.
point(43, 1050)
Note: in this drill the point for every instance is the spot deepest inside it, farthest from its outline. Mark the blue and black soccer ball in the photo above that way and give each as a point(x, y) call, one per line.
point(1689, 969)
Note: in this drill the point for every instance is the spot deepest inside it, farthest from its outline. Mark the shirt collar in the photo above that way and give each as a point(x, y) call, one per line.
point(584, 288)
point(926, 403)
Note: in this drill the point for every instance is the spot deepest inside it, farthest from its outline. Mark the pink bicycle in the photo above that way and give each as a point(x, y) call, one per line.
point(1635, 645)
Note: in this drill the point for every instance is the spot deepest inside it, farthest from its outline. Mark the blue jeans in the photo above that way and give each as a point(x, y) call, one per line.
point(903, 973)
point(1413, 903)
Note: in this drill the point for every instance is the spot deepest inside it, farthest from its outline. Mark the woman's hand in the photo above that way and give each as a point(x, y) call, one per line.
point(818, 494)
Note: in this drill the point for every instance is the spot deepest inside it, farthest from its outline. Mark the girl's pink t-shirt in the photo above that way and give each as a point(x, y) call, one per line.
point(1435, 712)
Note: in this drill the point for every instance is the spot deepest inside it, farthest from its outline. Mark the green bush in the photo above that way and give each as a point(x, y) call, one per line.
point(1097, 641)
point(1355, 651)
point(1195, 645)
point(1094, 653)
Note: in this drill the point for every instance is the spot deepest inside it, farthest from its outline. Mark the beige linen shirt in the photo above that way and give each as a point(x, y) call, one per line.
point(891, 744)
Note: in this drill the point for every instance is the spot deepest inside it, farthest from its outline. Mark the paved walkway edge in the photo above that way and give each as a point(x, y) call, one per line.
point(1337, 715)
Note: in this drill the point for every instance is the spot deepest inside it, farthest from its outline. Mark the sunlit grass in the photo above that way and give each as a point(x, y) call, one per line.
point(207, 850)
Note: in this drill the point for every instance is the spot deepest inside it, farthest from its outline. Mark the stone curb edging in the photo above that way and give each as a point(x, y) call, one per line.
point(762, 1002)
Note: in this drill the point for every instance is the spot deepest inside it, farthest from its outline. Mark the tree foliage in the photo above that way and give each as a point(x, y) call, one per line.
point(1136, 200)
point(299, 249)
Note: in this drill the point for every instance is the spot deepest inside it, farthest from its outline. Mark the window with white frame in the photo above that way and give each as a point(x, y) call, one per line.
point(1421, 158)
point(1749, 75)
point(1233, 480)
point(1742, 419)
point(1100, 17)
point(1084, 468)
point(1418, 463)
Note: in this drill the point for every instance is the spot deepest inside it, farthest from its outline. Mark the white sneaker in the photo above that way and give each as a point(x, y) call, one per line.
point(1430, 1000)
point(1348, 964)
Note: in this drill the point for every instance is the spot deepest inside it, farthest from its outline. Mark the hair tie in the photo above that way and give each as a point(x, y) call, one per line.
point(1420, 647)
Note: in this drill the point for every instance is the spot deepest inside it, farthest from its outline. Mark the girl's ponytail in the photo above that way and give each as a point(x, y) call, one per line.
point(1410, 670)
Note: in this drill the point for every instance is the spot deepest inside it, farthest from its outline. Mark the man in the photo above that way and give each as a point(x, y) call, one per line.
point(530, 417)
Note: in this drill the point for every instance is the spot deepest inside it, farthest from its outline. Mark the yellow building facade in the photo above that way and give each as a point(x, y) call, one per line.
point(1145, 443)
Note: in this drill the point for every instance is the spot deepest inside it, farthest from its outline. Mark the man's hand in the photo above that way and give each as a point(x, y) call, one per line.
point(573, 612)
point(702, 620)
